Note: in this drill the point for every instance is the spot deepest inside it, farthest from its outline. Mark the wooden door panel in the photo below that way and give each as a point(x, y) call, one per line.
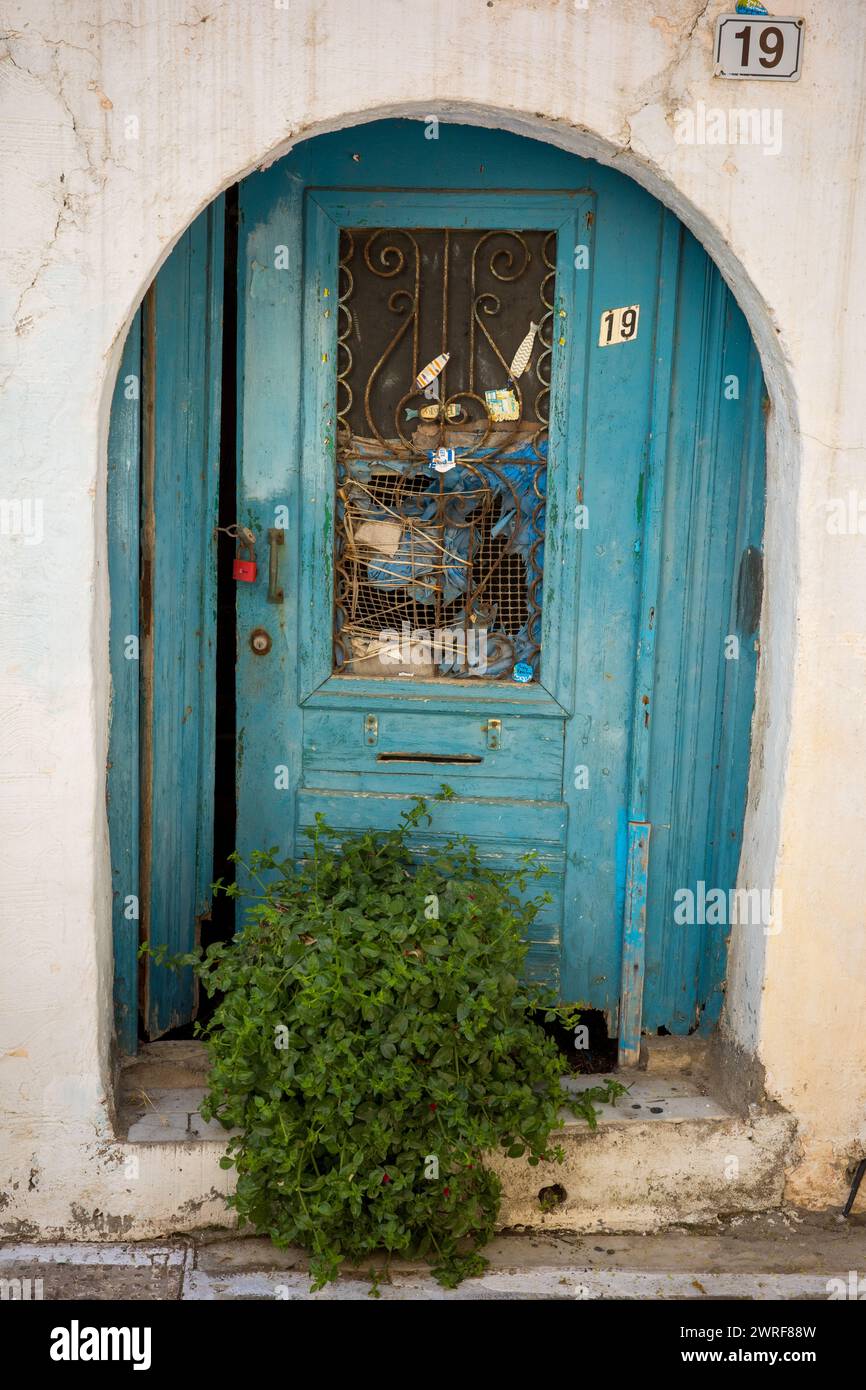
point(499, 745)
point(163, 491)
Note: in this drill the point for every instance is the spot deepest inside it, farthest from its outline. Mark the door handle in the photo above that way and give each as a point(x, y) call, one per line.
point(276, 539)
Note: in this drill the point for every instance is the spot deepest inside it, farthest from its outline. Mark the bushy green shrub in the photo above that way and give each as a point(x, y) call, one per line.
point(373, 1043)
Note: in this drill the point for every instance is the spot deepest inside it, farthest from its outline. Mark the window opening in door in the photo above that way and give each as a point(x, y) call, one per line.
point(445, 340)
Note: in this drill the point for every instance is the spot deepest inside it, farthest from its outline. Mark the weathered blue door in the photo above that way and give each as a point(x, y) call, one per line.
point(418, 640)
point(500, 444)
point(536, 616)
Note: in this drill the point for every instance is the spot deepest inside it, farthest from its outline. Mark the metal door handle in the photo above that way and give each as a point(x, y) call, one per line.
point(276, 538)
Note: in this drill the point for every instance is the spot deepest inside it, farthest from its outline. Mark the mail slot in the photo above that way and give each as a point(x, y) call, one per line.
point(428, 758)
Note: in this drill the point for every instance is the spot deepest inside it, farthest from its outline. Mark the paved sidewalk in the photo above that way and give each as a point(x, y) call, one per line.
point(783, 1255)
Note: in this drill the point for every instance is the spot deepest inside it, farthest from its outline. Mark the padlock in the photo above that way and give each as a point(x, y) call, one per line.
point(245, 570)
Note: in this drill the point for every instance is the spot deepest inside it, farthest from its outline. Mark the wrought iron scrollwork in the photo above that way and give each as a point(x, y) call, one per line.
point(441, 492)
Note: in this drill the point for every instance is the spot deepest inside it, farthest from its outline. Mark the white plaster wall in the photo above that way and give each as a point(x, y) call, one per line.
point(217, 89)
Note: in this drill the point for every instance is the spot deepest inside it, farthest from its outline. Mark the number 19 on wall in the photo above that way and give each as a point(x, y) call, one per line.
point(759, 47)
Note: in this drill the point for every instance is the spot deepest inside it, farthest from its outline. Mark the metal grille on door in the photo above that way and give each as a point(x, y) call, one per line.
point(443, 375)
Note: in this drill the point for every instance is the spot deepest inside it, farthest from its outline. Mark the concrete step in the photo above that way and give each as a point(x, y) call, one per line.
point(666, 1153)
point(166, 1114)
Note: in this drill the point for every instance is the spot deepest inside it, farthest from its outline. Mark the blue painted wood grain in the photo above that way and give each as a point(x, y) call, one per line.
point(650, 517)
point(183, 362)
point(699, 757)
point(124, 469)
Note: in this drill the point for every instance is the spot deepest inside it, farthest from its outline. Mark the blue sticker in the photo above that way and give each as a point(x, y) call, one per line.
point(522, 671)
point(750, 7)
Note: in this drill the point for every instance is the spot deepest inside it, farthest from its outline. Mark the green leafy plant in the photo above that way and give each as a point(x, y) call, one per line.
point(373, 1045)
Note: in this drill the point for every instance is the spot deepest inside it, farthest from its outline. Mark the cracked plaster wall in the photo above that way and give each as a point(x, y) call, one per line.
point(211, 90)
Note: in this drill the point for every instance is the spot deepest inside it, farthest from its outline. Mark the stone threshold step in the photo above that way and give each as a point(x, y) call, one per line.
point(171, 1114)
point(666, 1152)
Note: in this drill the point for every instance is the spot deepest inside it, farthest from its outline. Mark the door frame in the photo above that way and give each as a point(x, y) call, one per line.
point(326, 212)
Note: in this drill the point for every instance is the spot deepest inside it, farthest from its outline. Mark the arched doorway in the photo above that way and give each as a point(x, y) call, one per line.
point(597, 515)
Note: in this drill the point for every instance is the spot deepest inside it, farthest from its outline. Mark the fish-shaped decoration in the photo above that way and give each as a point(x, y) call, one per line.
point(502, 405)
point(431, 371)
point(751, 7)
point(523, 353)
point(432, 412)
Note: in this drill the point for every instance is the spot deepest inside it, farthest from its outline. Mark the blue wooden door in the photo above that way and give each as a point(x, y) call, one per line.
point(598, 517)
point(621, 758)
point(380, 550)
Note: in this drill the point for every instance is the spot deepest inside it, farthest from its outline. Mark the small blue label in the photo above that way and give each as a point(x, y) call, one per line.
point(522, 671)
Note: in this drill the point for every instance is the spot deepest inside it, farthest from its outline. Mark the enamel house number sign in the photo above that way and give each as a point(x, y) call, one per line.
point(759, 46)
